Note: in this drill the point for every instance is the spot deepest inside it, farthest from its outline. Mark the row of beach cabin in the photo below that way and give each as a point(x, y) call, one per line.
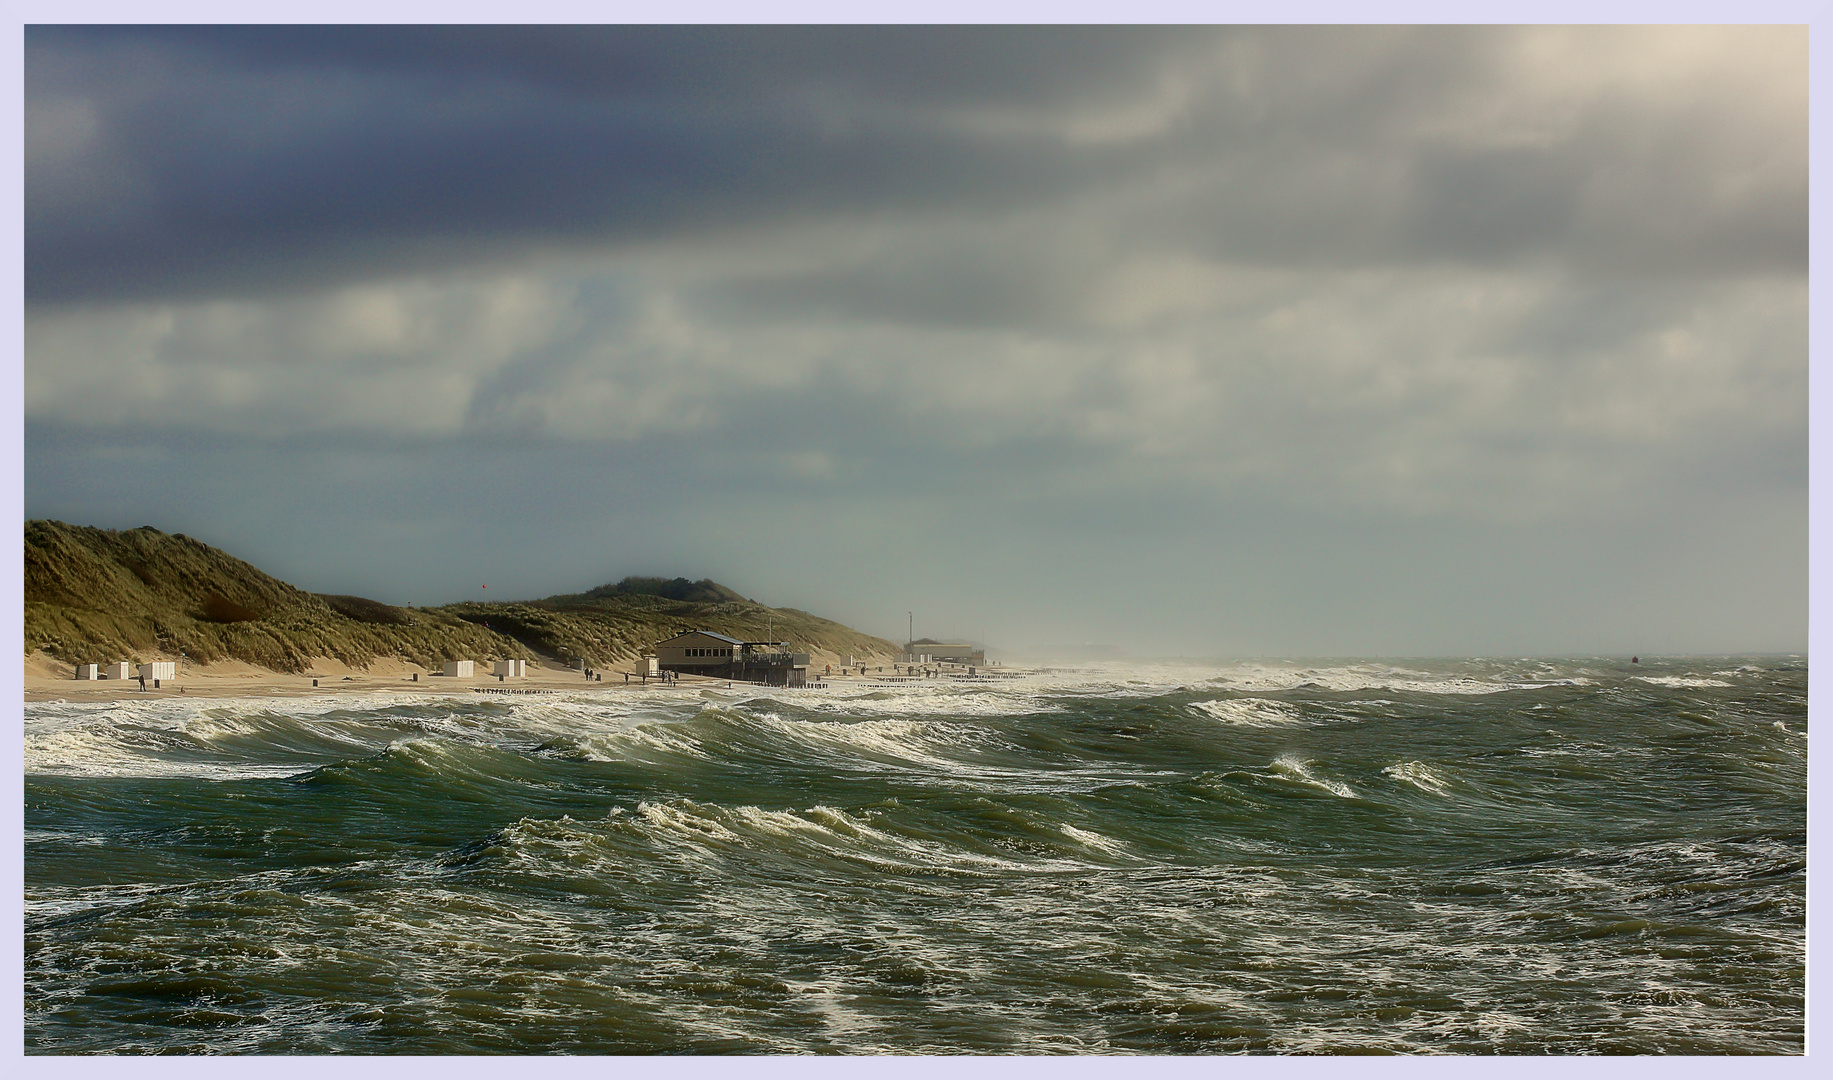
point(695, 652)
point(163, 669)
point(167, 669)
point(502, 669)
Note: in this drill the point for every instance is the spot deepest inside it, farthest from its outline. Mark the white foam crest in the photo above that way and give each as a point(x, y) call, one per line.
point(888, 742)
point(107, 746)
point(355, 735)
point(1300, 771)
point(562, 714)
point(914, 741)
point(825, 828)
point(127, 723)
point(634, 740)
point(196, 737)
point(1369, 677)
point(63, 836)
point(1574, 750)
point(1420, 775)
point(568, 712)
point(923, 747)
point(441, 755)
point(1251, 712)
point(107, 751)
point(928, 697)
point(848, 1025)
point(171, 710)
point(711, 834)
point(1680, 682)
point(1096, 842)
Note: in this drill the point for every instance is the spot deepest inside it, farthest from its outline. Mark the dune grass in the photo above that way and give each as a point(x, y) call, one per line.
point(100, 595)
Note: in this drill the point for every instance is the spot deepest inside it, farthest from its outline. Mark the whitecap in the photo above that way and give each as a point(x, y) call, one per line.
point(1300, 771)
point(1419, 775)
point(1373, 677)
point(1250, 712)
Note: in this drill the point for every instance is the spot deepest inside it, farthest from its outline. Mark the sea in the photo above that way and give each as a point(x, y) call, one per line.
point(1270, 857)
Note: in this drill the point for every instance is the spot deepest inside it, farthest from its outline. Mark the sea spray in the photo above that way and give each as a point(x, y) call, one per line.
point(1538, 856)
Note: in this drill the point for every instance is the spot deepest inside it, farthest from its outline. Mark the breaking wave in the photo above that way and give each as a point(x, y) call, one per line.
point(1515, 856)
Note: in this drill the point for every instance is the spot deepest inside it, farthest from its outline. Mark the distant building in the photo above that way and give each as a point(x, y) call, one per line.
point(163, 669)
point(929, 650)
point(706, 652)
point(513, 669)
point(458, 669)
point(698, 649)
point(118, 670)
point(86, 672)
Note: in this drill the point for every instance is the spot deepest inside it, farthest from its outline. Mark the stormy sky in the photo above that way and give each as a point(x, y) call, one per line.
point(1186, 341)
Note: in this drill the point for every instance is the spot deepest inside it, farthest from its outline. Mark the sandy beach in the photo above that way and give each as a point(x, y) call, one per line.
point(50, 679)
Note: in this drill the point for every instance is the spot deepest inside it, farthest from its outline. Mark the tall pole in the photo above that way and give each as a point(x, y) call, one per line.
point(910, 631)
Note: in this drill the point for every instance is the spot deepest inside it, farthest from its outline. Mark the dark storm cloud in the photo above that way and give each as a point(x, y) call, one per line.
point(219, 159)
point(166, 162)
point(1079, 305)
point(934, 65)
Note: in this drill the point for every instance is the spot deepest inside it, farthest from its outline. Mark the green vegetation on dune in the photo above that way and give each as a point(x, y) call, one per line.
point(98, 595)
point(603, 627)
point(698, 592)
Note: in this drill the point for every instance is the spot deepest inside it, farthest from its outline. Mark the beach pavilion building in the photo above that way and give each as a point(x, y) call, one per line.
point(931, 651)
point(718, 656)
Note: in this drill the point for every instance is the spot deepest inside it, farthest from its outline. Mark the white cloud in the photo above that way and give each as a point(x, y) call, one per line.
point(1424, 388)
point(1446, 271)
point(398, 360)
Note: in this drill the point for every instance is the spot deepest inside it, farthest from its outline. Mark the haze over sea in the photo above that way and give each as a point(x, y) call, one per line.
point(1479, 856)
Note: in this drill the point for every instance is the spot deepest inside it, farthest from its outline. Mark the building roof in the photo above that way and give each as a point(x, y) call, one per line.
point(703, 633)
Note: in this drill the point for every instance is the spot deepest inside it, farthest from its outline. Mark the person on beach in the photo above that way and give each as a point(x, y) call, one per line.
point(142, 682)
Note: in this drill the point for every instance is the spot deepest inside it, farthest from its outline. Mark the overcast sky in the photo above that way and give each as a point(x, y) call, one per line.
point(1193, 342)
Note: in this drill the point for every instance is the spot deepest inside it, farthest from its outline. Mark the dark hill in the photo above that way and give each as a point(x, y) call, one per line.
point(97, 595)
point(608, 629)
point(695, 592)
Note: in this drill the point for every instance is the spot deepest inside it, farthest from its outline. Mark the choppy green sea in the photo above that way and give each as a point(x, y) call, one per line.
point(1528, 856)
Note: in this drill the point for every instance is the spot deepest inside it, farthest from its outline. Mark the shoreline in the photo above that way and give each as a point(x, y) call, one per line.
point(47, 679)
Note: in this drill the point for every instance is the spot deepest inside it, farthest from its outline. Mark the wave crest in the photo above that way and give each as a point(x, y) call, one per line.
point(1250, 712)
